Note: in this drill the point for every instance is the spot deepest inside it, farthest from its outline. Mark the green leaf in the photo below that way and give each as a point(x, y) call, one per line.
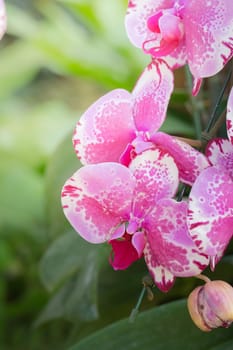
point(79, 262)
point(165, 327)
point(67, 254)
point(223, 346)
point(76, 300)
point(227, 259)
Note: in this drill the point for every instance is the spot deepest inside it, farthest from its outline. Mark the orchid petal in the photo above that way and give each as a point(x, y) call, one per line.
point(151, 96)
point(189, 161)
point(105, 129)
point(156, 177)
point(230, 117)
point(123, 254)
point(138, 241)
point(119, 232)
point(170, 241)
point(97, 199)
point(170, 27)
point(209, 39)
point(210, 214)
point(220, 153)
point(197, 82)
point(162, 277)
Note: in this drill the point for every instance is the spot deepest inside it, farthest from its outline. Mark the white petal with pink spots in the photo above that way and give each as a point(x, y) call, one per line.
point(170, 244)
point(210, 214)
point(97, 200)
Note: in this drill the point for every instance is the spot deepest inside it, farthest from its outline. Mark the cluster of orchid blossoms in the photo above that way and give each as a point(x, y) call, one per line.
point(126, 192)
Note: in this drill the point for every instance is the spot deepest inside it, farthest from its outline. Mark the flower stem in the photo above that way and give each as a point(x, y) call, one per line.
point(194, 103)
point(203, 278)
point(191, 142)
point(135, 310)
point(214, 115)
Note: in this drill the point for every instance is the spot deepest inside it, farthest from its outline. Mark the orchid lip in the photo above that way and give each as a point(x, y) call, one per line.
point(168, 29)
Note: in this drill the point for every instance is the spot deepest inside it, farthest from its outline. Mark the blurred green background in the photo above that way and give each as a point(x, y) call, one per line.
point(56, 59)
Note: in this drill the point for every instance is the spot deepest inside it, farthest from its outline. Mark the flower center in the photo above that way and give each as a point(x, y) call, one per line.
point(140, 144)
point(167, 29)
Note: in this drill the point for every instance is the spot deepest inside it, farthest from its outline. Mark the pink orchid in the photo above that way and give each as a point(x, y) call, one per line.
point(3, 20)
point(210, 217)
point(121, 125)
point(194, 31)
point(130, 207)
point(220, 151)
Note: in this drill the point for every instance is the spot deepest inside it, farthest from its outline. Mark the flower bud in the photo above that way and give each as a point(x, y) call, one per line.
point(211, 306)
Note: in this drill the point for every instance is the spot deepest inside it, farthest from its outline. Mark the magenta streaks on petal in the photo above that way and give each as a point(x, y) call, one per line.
point(220, 153)
point(156, 177)
point(209, 42)
point(97, 199)
point(230, 116)
point(162, 277)
point(170, 242)
point(189, 161)
point(210, 214)
point(151, 96)
point(131, 4)
point(196, 85)
point(105, 129)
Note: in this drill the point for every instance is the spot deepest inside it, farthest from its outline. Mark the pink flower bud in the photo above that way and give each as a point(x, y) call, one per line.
point(211, 306)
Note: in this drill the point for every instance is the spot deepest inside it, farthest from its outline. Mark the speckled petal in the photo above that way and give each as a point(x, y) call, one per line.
point(151, 96)
point(210, 214)
point(189, 161)
point(105, 129)
point(170, 242)
point(97, 199)
point(230, 117)
point(156, 177)
point(162, 277)
point(220, 153)
point(209, 35)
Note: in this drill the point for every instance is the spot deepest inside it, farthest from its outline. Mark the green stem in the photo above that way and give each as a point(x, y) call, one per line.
point(194, 104)
point(135, 310)
point(214, 115)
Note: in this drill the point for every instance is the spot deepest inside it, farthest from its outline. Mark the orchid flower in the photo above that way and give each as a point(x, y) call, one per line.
point(121, 125)
point(131, 208)
point(3, 20)
point(210, 217)
point(196, 32)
